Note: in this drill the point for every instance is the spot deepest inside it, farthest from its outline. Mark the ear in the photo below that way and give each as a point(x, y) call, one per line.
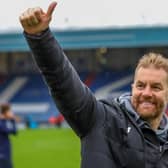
point(132, 85)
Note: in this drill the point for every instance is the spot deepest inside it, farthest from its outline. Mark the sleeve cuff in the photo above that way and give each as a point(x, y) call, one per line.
point(37, 36)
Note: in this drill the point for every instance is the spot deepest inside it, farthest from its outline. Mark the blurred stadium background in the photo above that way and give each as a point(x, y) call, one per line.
point(104, 57)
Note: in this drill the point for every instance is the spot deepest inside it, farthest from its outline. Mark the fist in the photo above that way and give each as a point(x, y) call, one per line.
point(35, 20)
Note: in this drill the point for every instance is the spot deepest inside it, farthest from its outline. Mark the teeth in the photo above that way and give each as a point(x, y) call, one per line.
point(147, 103)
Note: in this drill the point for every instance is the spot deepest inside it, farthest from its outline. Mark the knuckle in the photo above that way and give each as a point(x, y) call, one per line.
point(22, 18)
point(37, 9)
point(31, 17)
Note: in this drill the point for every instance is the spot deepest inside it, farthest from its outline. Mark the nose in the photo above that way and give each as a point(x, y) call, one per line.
point(147, 92)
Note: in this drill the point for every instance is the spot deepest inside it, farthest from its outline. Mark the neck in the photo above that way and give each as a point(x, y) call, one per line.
point(154, 123)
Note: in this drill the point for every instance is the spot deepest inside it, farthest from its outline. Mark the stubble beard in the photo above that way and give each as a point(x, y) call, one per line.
point(148, 114)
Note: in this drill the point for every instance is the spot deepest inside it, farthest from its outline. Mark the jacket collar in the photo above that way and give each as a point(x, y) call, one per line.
point(162, 132)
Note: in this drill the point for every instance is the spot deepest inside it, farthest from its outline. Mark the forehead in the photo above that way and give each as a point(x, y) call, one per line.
point(151, 74)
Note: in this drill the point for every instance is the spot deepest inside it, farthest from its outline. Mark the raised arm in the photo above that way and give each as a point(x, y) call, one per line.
point(73, 98)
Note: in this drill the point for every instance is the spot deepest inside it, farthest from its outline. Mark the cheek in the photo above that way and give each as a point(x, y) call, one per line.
point(135, 92)
point(134, 100)
point(167, 96)
point(161, 101)
point(164, 97)
point(135, 95)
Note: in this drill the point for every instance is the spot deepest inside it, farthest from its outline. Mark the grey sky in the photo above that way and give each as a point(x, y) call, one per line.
point(89, 13)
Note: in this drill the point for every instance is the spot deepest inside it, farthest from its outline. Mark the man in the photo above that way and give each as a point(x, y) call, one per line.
point(7, 127)
point(127, 132)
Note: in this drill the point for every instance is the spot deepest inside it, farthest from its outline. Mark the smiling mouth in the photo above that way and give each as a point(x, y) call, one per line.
point(147, 104)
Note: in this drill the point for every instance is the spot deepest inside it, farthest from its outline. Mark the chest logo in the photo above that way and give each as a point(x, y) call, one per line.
point(128, 129)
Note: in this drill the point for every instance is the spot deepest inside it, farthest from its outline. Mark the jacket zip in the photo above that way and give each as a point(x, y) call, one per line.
point(160, 148)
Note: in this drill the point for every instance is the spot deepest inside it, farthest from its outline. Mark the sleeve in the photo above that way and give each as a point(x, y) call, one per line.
point(8, 126)
point(74, 100)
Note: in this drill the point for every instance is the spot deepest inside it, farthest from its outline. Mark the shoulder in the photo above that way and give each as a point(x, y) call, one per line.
point(111, 105)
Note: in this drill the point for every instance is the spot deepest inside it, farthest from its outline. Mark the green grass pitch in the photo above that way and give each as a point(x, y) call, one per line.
point(46, 148)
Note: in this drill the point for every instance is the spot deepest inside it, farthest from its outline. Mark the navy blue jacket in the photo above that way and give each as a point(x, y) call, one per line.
point(6, 127)
point(110, 137)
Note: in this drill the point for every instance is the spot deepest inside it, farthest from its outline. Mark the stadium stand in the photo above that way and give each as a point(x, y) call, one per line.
point(30, 98)
point(28, 93)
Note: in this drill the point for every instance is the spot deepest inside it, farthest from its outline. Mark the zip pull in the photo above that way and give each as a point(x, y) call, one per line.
point(160, 148)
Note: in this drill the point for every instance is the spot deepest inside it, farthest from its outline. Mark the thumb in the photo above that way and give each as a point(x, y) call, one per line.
point(51, 9)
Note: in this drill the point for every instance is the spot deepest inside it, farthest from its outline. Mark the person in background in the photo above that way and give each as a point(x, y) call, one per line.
point(129, 131)
point(7, 126)
point(57, 120)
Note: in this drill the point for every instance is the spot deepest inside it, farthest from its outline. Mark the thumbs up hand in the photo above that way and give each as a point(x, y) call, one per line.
point(35, 20)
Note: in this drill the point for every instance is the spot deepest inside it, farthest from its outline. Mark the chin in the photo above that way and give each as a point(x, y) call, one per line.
point(146, 114)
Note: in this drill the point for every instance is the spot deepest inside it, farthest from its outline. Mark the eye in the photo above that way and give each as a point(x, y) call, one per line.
point(140, 86)
point(157, 88)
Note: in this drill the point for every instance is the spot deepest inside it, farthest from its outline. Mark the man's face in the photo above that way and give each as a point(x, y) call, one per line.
point(150, 92)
